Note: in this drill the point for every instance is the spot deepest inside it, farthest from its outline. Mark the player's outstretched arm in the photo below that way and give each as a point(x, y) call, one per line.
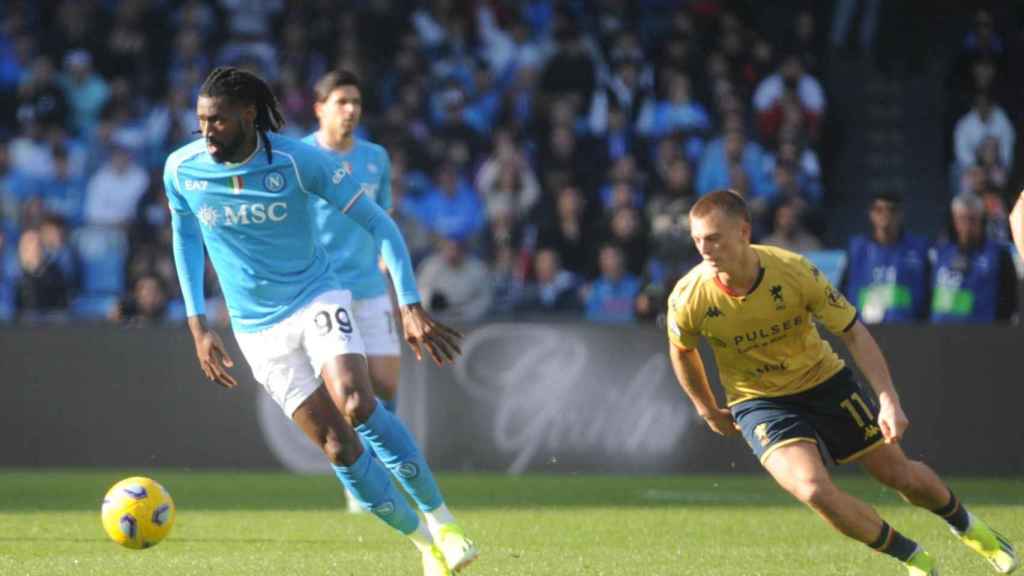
point(1017, 224)
point(689, 369)
point(213, 357)
point(441, 341)
point(872, 364)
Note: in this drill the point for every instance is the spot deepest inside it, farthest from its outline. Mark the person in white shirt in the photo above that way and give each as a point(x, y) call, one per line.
point(986, 119)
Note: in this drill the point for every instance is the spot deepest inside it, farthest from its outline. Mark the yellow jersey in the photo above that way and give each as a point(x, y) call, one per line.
point(764, 341)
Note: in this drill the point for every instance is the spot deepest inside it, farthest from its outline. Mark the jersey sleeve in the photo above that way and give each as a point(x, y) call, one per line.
point(187, 246)
point(682, 331)
point(329, 179)
point(828, 305)
point(384, 192)
point(174, 197)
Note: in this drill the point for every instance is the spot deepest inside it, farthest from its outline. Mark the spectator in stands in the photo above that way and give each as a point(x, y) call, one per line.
point(455, 285)
point(147, 303)
point(804, 163)
point(53, 232)
point(610, 297)
point(625, 87)
point(626, 230)
point(553, 288)
point(721, 154)
point(986, 119)
point(888, 274)
point(40, 97)
point(789, 92)
point(789, 230)
point(506, 180)
point(64, 191)
point(85, 90)
point(41, 288)
point(569, 233)
point(990, 161)
point(674, 111)
point(974, 279)
point(114, 190)
point(508, 49)
point(451, 206)
point(570, 71)
point(13, 187)
point(997, 215)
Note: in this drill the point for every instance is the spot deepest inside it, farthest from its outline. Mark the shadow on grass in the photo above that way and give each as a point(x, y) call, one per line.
point(67, 490)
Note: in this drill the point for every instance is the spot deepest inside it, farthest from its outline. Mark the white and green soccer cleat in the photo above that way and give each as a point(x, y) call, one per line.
point(459, 551)
point(992, 545)
point(433, 562)
point(921, 564)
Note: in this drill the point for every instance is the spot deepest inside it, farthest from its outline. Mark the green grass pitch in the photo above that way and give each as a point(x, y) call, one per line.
point(269, 524)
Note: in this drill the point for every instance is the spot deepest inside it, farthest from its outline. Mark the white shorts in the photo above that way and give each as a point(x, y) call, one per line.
point(287, 357)
point(376, 320)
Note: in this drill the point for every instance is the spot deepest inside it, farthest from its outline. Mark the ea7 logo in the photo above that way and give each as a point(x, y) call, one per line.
point(195, 185)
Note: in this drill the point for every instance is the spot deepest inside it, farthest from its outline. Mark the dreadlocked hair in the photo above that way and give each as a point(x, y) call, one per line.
point(242, 86)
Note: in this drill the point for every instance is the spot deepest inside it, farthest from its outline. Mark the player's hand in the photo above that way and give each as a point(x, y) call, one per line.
point(214, 359)
point(421, 331)
point(720, 421)
point(891, 419)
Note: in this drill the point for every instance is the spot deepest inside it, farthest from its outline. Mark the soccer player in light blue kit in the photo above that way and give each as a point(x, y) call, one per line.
point(243, 191)
point(350, 249)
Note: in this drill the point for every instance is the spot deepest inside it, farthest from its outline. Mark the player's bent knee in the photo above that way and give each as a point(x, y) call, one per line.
point(899, 475)
point(359, 406)
point(338, 452)
point(814, 492)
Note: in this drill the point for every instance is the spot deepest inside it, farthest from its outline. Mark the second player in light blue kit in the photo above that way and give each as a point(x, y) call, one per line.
point(243, 191)
point(350, 249)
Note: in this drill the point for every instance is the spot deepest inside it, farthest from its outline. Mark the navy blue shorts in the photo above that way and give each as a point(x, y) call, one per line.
point(837, 415)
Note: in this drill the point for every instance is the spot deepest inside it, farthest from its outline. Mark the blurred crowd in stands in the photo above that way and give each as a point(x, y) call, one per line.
point(544, 153)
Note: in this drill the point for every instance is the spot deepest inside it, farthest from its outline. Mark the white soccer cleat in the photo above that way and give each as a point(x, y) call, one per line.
point(434, 563)
point(459, 551)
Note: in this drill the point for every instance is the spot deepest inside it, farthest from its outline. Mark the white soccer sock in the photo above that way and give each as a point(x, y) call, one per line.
point(439, 517)
point(421, 537)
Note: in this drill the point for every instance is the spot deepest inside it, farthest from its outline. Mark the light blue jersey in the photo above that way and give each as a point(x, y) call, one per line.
point(255, 221)
point(350, 249)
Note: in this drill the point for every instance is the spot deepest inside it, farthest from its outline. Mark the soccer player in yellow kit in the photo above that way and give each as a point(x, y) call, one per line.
point(791, 396)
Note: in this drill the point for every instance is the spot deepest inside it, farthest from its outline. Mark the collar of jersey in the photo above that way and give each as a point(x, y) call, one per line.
point(259, 146)
point(730, 292)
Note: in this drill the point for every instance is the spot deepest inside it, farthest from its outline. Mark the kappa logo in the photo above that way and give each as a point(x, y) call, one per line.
point(372, 168)
point(761, 431)
point(195, 185)
point(714, 312)
point(273, 181)
point(776, 292)
point(834, 299)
